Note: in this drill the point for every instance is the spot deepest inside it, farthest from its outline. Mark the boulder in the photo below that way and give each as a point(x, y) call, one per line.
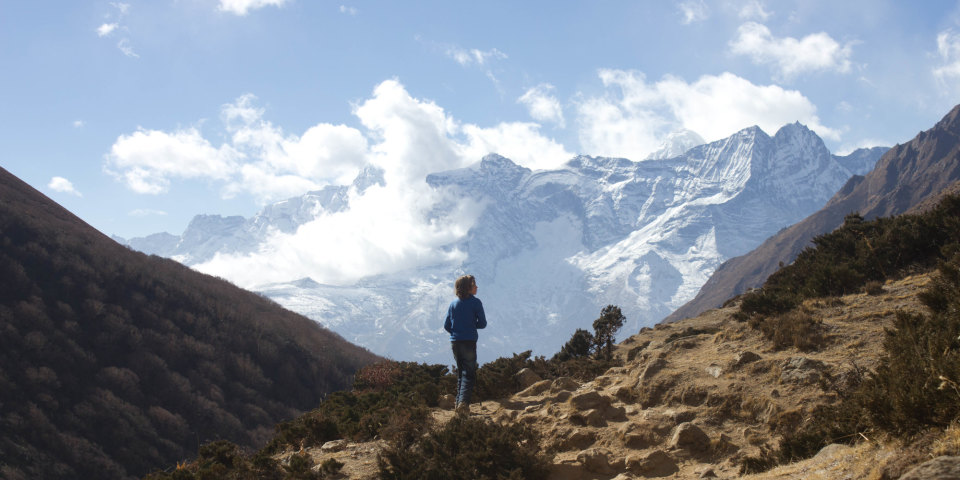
point(654, 464)
point(744, 358)
point(564, 384)
point(536, 389)
point(596, 460)
point(526, 378)
point(578, 440)
point(690, 437)
point(940, 468)
point(589, 400)
point(801, 370)
point(652, 368)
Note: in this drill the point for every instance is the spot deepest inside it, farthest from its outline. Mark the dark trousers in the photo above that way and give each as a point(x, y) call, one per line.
point(465, 354)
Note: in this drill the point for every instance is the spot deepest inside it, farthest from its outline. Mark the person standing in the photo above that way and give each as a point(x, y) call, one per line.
point(464, 316)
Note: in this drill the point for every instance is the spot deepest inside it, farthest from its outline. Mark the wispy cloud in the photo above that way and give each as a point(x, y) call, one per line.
point(791, 56)
point(542, 105)
point(754, 10)
point(62, 185)
point(78, 123)
point(947, 73)
point(146, 212)
point(111, 28)
point(693, 11)
point(127, 49)
point(473, 56)
point(348, 10)
point(243, 7)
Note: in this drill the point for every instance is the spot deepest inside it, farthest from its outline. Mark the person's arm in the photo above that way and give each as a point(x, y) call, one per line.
point(448, 323)
point(481, 317)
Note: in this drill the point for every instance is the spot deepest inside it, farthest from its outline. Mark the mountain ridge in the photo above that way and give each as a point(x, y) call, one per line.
point(904, 176)
point(597, 231)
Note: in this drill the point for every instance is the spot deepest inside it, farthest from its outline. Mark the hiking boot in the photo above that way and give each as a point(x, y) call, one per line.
point(462, 409)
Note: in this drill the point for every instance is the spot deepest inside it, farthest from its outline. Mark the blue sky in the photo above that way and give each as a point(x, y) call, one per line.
point(137, 115)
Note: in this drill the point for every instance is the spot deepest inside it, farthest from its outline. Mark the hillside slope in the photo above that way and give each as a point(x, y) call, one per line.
point(705, 394)
point(113, 363)
point(905, 176)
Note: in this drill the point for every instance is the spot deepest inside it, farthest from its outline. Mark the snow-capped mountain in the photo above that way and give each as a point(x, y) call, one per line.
point(552, 247)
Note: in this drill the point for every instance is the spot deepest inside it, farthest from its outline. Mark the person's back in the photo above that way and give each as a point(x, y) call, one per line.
point(464, 316)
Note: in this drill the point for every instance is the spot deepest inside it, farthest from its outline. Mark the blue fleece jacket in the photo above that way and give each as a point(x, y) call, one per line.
point(464, 317)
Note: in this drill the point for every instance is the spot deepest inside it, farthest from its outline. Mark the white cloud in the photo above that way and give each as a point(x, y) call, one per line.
point(754, 9)
point(281, 165)
point(542, 105)
point(242, 7)
point(78, 123)
point(520, 142)
point(147, 160)
point(106, 29)
point(401, 224)
point(388, 228)
point(812, 53)
point(634, 115)
point(693, 11)
point(948, 72)
point(62, 185)
point(413, 136)
point(348, 10)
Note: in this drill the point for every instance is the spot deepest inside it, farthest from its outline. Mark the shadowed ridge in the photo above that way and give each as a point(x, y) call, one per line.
point(115, 363)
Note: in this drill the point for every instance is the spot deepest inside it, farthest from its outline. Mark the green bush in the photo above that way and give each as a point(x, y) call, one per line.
point(468, 447)
point(795, 328)
point(859, 252)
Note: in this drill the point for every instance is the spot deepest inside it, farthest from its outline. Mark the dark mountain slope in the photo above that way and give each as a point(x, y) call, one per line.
point(113, 363)
point(904, 177)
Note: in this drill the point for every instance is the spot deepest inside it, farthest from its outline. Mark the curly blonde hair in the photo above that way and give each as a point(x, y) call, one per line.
point(464, 285)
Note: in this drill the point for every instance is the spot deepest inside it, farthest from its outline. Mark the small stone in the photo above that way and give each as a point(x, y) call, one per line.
point(708, 473)
point(714, 370)
point(744, 358)
point(334, 446)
